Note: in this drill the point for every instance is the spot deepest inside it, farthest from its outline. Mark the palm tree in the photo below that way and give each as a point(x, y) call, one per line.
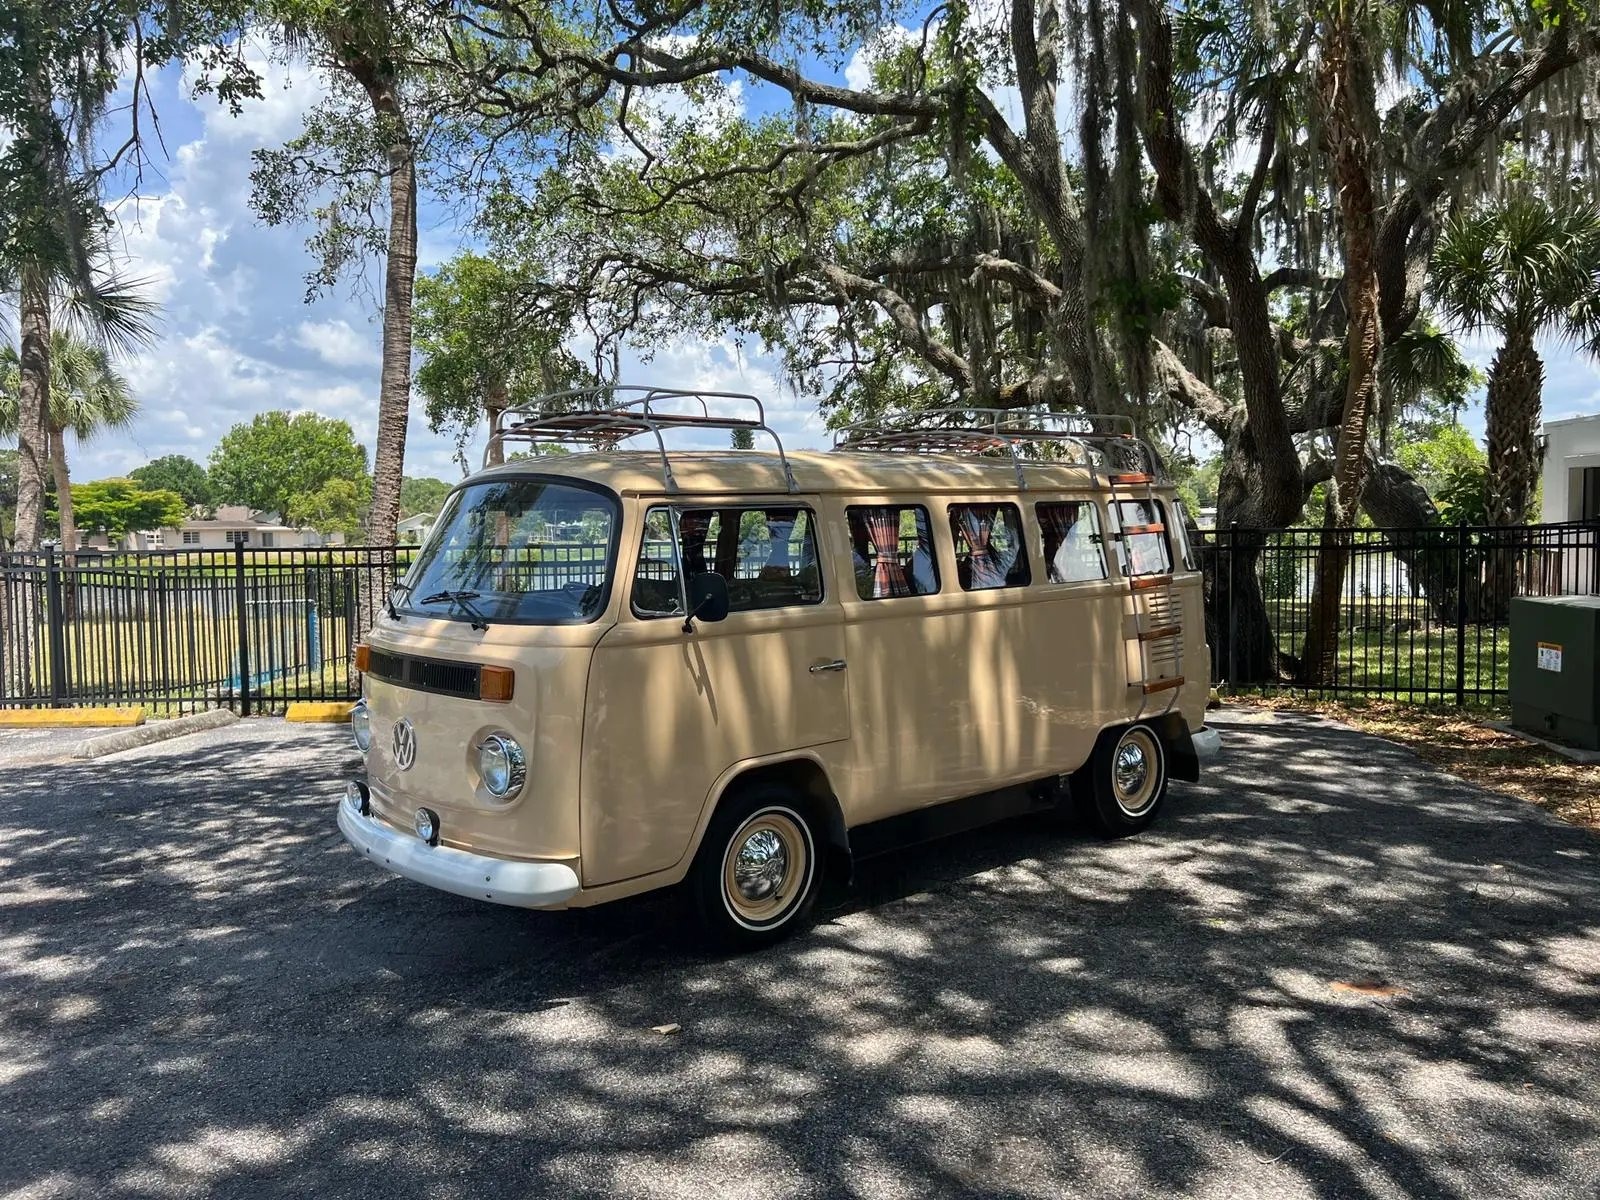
point(87, 395)
point(1521, 268)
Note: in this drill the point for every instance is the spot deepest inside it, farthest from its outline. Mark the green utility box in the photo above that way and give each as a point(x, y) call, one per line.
point(1555, 668)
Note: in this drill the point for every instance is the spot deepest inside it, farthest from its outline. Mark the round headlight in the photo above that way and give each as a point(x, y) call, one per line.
point(355, 794)
point(361, 726)
point(427, 826)
point(501, 765)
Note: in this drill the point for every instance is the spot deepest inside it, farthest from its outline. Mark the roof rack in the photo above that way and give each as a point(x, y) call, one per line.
point(600, 417)
point(1099, 441)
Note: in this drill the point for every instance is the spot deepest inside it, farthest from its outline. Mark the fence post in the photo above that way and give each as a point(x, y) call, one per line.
point(1233, 607)
point(1461, 614)
point(240, 594)
point(56, 627)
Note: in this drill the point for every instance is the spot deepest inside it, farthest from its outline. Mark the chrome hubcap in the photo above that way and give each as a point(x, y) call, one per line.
point(1133, 768)
point(760, 865)
point(767, 868)
point(1136, 772)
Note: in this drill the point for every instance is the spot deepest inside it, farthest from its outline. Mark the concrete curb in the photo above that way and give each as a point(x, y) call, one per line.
point(160, 731)
point(318, 712)
point(70, 718)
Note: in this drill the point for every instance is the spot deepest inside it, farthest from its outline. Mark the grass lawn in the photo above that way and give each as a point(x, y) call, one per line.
point(1462, 744)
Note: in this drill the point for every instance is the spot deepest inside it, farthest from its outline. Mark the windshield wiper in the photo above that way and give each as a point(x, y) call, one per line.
point(463, 601)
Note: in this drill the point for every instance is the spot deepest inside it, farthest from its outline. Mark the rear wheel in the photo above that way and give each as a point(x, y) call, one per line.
point(1127, 780)
point(758, 870)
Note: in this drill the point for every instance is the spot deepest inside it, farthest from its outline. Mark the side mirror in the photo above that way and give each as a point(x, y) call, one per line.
point(708, 598)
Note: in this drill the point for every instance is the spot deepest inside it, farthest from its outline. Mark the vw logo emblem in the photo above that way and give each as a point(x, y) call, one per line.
point(404, 744)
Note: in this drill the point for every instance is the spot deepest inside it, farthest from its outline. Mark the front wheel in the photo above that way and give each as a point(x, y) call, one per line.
point(1127, 780)
point(757, 873)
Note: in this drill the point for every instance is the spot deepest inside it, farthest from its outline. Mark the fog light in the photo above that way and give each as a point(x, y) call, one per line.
point(501, 765)
point(361, 726)
point(428, 826)
point(355, 793)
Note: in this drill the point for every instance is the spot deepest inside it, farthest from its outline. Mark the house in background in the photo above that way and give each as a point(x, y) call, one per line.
point(1572, 493)
point(413, 531)
point(1572, 469)
point(235, 525)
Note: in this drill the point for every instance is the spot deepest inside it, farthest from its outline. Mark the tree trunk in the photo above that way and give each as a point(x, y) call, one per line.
point(495, 399)
point(1343, 84)
point(69, 526)
point(1516, 381)
point(399, 280)
point(33, 402)
point(1238, 625)
point(63, 481)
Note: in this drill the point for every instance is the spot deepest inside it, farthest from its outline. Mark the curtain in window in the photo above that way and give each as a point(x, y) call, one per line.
point(977, 523)
point(888, 576)
point(693, 528)
point(1055, 522)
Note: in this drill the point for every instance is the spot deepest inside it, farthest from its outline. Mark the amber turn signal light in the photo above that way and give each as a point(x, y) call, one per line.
point(495, 683)
point(363, 657)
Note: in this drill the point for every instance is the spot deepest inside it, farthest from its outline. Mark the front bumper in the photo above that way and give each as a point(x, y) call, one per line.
point(476, 876)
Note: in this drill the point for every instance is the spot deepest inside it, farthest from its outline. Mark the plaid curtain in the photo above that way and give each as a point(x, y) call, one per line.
point(977, 524)
point(1055, 522)
point(888, 576)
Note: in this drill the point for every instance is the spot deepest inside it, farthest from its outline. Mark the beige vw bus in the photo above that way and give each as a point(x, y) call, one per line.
point(614, 671)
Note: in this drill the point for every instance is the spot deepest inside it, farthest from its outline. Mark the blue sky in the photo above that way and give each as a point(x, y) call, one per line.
point(238, 336)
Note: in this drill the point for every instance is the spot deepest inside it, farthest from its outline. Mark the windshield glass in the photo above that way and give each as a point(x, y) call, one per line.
point(516, 550)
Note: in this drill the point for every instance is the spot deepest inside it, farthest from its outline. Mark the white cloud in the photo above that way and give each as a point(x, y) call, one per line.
point(337, 344)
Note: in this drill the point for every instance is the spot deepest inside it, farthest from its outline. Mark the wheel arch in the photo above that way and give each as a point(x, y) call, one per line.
point(806, 774)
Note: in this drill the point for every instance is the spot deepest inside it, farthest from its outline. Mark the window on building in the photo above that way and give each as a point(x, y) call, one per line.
point(238, 537)
point(989, 551)
point(768, 555)
point(1589, 495)
point(191, 537)
point(1143, 548)
point(891, 547)
point(1074, 550)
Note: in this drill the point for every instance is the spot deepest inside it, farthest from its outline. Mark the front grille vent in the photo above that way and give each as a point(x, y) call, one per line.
point(425, 674)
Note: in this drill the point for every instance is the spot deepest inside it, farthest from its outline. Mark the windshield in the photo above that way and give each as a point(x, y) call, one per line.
point(516, 550)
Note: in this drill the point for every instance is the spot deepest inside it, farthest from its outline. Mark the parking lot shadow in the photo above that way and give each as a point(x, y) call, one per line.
point(1326, 971)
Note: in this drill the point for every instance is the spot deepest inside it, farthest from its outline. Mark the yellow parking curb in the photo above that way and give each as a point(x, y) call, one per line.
point(308, 712)
point(69, 718)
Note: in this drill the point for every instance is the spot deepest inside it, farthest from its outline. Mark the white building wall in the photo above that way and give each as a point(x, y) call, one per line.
point(1571, 446)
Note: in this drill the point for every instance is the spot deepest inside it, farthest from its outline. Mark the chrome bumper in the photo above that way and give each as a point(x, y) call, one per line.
point(477, 876)
point(1207, 742)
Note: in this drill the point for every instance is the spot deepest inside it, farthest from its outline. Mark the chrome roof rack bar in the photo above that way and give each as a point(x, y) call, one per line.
point(601, 417)
point(1099, 438)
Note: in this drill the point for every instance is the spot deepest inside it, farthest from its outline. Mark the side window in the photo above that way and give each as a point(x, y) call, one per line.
point(891, 548)
point(989, 551)
point(767, 555)
point(1180, 535)
point(1142, 549)
point(1074, 550)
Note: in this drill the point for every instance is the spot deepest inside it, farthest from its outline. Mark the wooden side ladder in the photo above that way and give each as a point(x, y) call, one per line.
point(1157, 627)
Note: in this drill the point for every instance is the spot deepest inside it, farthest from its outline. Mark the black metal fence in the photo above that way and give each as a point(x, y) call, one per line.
point(1423, 615)
point(184, 630)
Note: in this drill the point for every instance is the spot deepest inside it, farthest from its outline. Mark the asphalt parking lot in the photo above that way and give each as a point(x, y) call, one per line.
point(1328, 972)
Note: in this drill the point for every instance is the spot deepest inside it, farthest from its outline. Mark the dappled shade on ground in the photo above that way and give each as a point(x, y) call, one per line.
point(208, 993)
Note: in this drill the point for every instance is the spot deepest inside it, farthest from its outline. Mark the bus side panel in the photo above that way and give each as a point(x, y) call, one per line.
point(669, 712)
point(960, 692)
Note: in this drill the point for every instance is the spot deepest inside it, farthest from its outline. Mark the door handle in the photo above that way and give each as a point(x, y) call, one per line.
point(836, 665)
